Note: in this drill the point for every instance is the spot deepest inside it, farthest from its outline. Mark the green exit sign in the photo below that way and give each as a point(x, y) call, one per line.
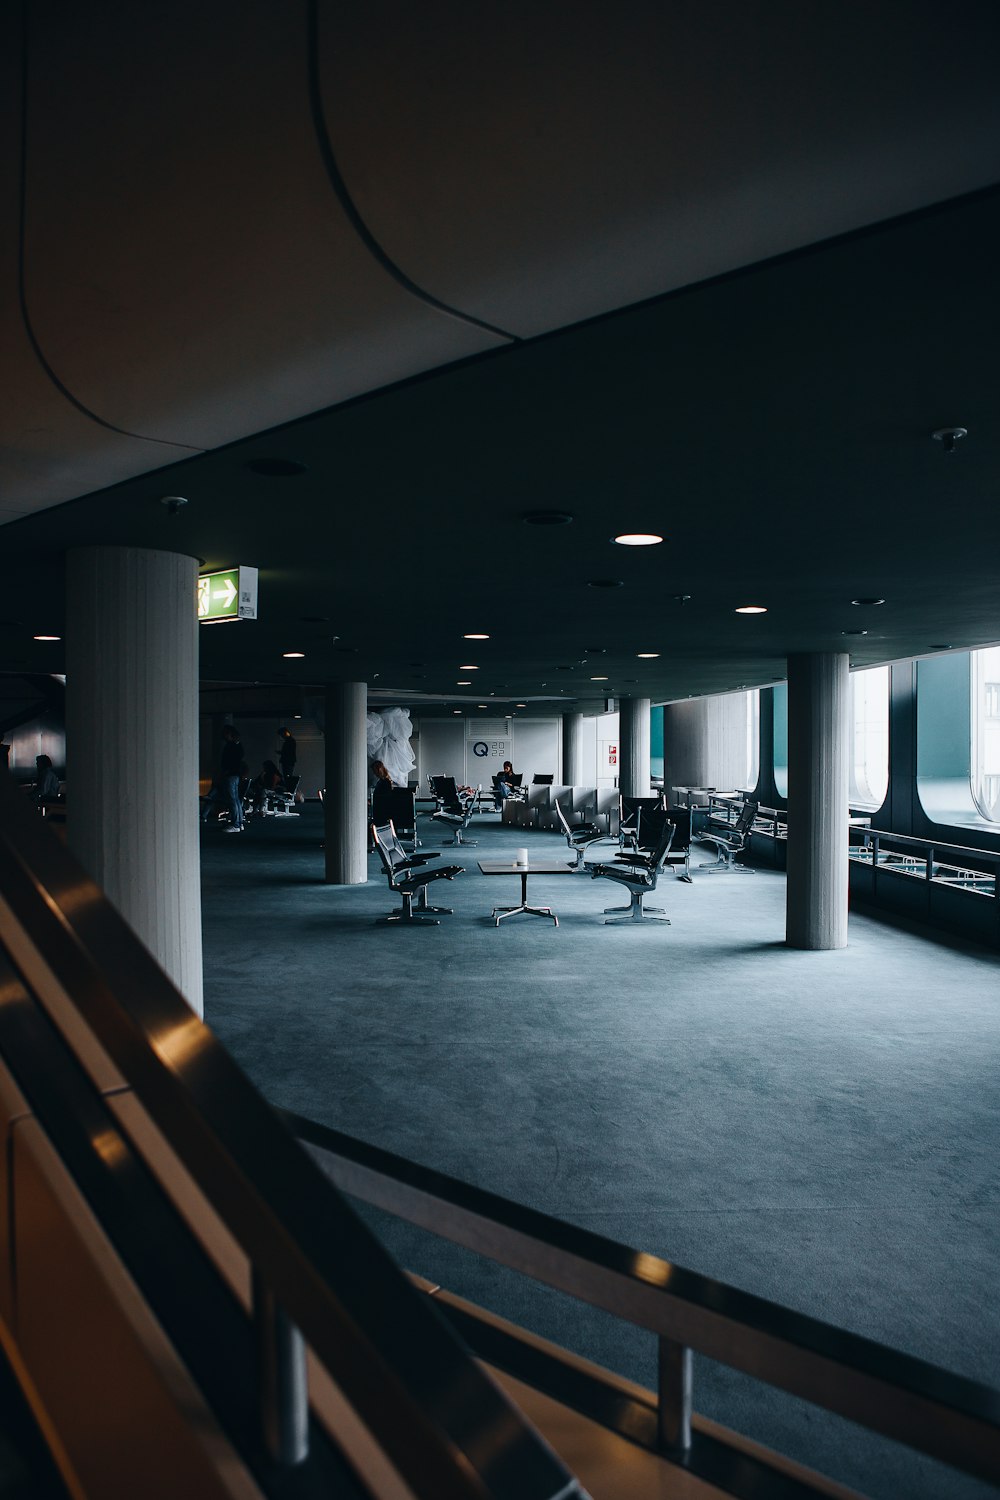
point(229, 595)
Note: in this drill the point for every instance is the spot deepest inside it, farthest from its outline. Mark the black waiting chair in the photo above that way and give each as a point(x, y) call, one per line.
point(406, 875)
point(638, 873)
point(631, 811)
point(579, 836)
point(735, 841)
point(542, 780)
point(651, 829)
point(458, 815)
point(680, 847)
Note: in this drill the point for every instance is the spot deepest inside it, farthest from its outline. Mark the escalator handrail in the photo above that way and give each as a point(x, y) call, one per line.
point(439, 1418)
point(945, 1415)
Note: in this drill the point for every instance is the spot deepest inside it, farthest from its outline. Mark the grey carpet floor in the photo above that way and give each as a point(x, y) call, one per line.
point(822, 1129)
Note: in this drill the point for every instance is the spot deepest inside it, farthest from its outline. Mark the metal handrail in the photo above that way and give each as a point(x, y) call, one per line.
point(439, 1418)
point(931, 851)
point(896, 1395)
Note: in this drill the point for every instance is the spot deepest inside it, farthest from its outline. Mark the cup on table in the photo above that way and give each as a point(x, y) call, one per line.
point(521, 858)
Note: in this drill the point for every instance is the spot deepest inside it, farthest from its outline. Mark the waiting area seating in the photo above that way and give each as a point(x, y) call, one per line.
point(276, 803)
point(638, 873)
point(579, 836)
point(631, 811)
point(457, 814)
point(406, 876)
point(734, 841)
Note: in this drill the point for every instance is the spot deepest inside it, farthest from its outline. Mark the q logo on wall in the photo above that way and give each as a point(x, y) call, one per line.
point(480, 748)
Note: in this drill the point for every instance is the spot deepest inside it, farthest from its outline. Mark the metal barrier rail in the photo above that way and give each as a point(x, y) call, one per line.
point(929, 854)
point(896, 1395)
point(439, 1419)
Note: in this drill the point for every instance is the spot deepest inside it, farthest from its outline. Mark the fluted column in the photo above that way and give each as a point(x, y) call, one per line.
point(633, 735)
point(346, 799)
point(132, 744)
point(816, 898)
point(572, 750)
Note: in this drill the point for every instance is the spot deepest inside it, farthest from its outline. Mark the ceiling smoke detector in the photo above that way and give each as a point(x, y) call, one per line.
point(949, 437)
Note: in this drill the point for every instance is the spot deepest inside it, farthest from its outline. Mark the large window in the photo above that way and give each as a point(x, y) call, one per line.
point(869, 780)
point(753, 739)
point(985, 766)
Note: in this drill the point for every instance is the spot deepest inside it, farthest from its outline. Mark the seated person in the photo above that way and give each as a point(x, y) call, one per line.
point(47, 784)
point(378, 774)
point(503, 785)
point(381, 784)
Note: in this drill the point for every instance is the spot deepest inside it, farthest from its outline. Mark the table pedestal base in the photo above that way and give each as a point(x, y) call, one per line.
point(499, 912)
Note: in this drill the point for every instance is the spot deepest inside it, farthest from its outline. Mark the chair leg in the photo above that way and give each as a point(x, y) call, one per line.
point(636, 913)
point(424, 905)
point(405, 913)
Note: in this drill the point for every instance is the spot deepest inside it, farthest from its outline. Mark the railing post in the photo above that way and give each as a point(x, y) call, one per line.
point(674, 1411)
point(282, 1381)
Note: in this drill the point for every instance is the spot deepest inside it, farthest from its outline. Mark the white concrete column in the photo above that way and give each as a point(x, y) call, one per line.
point(633, 748)
point(816, 898)
point(572, 749)
point(132, 744)
point(704, 742)
point(346, 800)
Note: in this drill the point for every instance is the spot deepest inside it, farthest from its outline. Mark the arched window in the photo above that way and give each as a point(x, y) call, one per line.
point(753, 739)
point(779, 695)
point(985, 760)
point(869, 777)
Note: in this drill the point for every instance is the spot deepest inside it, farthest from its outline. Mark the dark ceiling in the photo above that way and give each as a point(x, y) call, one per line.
point(441, 238)
point(773, 425)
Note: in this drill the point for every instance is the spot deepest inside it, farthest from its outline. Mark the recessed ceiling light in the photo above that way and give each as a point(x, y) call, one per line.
point(546, 517)
point(277, 468)
point(854, 632)
point(475, 638)
point(482, 705)
point(752, 609)
point(605, 583)
point(599, 679)
point(520, 705)
point(868, 601)
point(647, 655)
point(456, 710)
point(637, 539)
point(465, 682)
point(47, 638)
point(468, 668)
point(292, 655)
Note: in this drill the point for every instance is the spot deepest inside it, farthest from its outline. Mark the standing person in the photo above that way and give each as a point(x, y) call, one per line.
point(229, 774)
point(287, 754)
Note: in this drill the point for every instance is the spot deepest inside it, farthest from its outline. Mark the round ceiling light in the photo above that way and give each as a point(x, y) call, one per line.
point(871, 602)
point(752, 609)
point(475, 638)
point(599, 679)
point(647, 655)
point(292, 655)
point(468, 668)
point(464, 682)
point(637, 539)
point(46, 637)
